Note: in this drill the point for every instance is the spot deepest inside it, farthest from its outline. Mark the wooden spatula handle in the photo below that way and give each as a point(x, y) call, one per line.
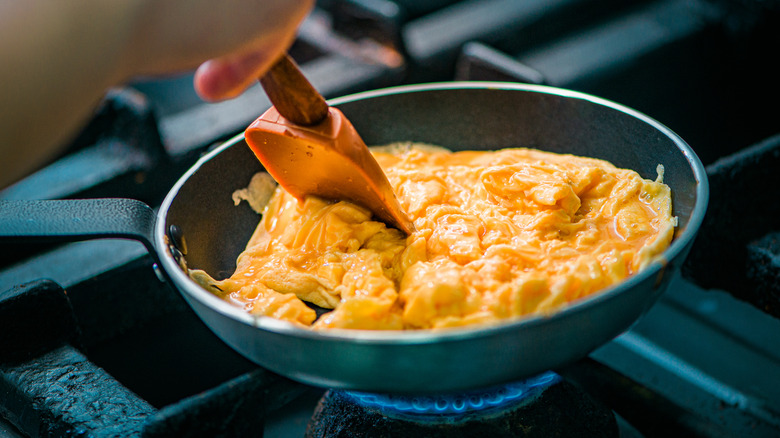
point(292, 94)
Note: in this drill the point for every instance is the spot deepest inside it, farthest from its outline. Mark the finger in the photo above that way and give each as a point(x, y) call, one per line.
point(227, 77)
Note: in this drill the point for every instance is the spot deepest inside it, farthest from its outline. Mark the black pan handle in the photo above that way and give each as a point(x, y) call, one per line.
point(72, 220)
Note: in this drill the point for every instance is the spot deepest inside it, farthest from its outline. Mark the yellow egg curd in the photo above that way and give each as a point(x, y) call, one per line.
point(499, 235)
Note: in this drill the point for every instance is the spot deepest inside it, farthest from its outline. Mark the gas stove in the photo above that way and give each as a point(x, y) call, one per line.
point(92, 343)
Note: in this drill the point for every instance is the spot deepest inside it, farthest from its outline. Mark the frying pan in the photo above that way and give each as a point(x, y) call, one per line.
point(198, 225)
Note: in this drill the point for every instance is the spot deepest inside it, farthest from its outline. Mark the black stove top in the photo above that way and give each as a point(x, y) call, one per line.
point(93, 343)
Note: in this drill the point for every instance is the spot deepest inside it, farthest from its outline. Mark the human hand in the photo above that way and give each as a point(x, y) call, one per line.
point(242, 39)
point(60, 57)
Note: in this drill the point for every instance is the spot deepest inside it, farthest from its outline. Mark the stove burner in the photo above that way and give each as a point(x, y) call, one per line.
point(457, 406)
point(543, 406)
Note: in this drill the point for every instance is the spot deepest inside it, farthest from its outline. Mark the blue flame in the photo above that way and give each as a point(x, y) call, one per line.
point(456, 405)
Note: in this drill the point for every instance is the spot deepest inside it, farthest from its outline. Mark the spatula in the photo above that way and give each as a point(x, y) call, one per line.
point(311, 148)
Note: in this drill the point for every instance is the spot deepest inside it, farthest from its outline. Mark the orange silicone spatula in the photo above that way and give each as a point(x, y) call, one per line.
point(310, 148)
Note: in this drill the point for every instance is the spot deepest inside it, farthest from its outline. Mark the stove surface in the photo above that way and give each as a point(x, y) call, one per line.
point(93, 343)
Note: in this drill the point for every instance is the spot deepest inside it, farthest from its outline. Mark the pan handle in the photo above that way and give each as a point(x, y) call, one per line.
point(72, 220)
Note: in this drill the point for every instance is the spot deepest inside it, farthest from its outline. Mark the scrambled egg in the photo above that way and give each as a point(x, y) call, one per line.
point(499, 235)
